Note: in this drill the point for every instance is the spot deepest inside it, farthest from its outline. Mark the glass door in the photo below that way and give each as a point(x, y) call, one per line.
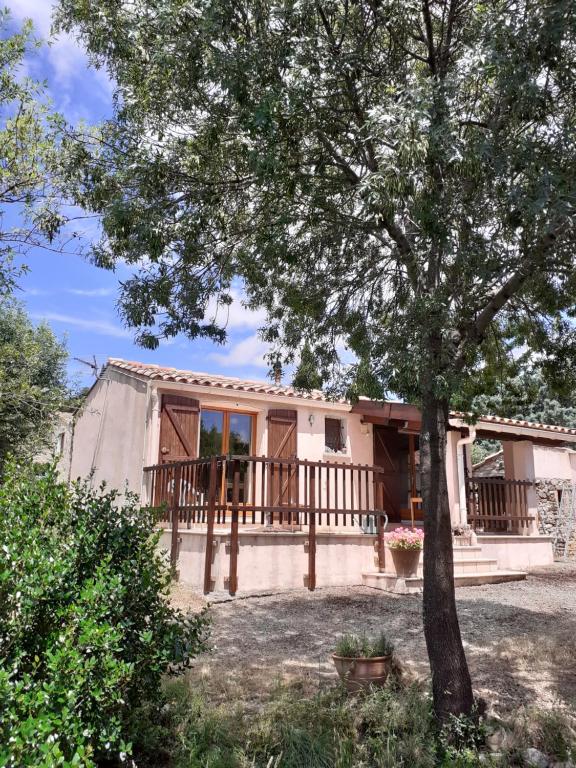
point(227, 432)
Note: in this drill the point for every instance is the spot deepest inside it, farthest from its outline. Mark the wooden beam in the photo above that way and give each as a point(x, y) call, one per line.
point(233, 580)
point(175, 519)
point(312, 532)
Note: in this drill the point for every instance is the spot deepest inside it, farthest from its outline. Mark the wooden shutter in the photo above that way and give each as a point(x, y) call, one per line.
point(281, 433)
point(282, 444)
point(178, 428)
point(333, 434)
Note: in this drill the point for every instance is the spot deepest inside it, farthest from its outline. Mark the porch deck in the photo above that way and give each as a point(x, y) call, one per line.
point(225, 499)
point(256, 491)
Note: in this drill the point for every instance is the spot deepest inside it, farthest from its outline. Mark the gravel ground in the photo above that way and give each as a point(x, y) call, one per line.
point(520, 638)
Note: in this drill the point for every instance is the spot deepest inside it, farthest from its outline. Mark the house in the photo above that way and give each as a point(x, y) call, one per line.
point(264, 487)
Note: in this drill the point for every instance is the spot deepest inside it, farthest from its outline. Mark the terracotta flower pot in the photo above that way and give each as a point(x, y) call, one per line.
point(405, 562)
point(360, 673)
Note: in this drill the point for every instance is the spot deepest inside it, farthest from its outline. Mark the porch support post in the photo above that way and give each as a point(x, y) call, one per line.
point(233, 576)
point(175, 518)
point(312, 532)
point(381, 517)
point(381, 547)
point(524, 470)
point(212, 479)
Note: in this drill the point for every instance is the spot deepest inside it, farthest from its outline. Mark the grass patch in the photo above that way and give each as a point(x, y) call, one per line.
point(391, 727)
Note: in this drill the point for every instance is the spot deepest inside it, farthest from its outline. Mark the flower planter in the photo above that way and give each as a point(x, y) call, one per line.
point(361, 673)
point(405, 562)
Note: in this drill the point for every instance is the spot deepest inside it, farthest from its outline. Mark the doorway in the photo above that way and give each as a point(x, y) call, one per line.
point(397, 453)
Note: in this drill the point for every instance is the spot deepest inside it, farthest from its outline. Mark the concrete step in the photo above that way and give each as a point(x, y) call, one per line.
point(478, 564)
point(391, 583)
point(467, 553)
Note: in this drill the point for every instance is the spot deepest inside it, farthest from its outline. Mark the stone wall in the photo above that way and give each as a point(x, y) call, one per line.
point(556, 514)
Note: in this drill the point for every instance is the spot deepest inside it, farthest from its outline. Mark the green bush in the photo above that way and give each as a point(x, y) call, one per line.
point(86, 630)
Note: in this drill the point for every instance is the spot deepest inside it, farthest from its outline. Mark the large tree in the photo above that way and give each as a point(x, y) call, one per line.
point(31, 190)
point(395, 175)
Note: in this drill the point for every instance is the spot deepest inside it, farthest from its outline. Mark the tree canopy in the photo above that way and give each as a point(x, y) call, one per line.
point(31, 193)
point(33, 382)
point(370, 169)
point(395, 176)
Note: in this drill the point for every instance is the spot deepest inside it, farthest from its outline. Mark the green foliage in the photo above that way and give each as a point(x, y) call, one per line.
point(526, 395)
point(33, 382)
point(307, 376)
point(391, 727)
point(384, 176)
point(31, 191)
point(552, 732)
point(86, 630)
point(386, 727)
point(363, 646)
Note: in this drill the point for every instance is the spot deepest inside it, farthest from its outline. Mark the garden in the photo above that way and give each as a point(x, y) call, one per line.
point(104, 663)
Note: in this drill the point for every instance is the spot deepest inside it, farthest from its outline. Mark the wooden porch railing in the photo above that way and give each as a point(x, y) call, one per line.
point(498, 505)
point(260, 491)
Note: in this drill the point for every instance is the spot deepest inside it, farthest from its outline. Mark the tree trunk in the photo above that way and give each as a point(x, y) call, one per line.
point(451, 684)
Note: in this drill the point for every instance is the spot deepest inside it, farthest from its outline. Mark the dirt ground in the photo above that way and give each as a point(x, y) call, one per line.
point(520, 638)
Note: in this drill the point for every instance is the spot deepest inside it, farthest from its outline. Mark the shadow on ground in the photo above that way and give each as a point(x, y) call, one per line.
point(520, 639)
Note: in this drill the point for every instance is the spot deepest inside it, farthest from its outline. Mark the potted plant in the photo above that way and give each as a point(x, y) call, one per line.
point(463, 535)
point(405, 545)
point(361, 661)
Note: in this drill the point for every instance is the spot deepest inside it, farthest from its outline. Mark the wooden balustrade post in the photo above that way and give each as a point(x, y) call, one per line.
point(381, 547)
point(380, 517)
point(312, 532)
point(175, 518)
point(233, 576)
point(210, 512)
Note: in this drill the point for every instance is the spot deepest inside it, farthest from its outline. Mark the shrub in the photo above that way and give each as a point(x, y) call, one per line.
point(86, 629)
point(361, 646)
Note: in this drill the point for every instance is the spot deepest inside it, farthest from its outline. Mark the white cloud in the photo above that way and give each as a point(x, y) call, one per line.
point(95, 292)
point(100, 327)
point(250, 351)
point(35, 292)
point(66, 57)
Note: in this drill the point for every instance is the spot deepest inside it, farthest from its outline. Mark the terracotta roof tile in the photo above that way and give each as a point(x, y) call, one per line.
point(517, 423)
point(163, 373)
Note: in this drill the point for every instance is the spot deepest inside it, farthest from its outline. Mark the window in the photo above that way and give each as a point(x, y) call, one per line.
point(334, 441)
point(224, 432)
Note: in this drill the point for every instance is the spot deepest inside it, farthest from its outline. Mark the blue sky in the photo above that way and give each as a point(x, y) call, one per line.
point(77, 299)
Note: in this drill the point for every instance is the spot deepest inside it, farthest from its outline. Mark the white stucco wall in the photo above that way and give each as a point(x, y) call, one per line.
point(556, 463)
point(310, 440)
point(109, 437)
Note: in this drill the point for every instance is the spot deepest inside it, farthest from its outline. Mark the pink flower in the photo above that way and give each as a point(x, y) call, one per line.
point(405, 538)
